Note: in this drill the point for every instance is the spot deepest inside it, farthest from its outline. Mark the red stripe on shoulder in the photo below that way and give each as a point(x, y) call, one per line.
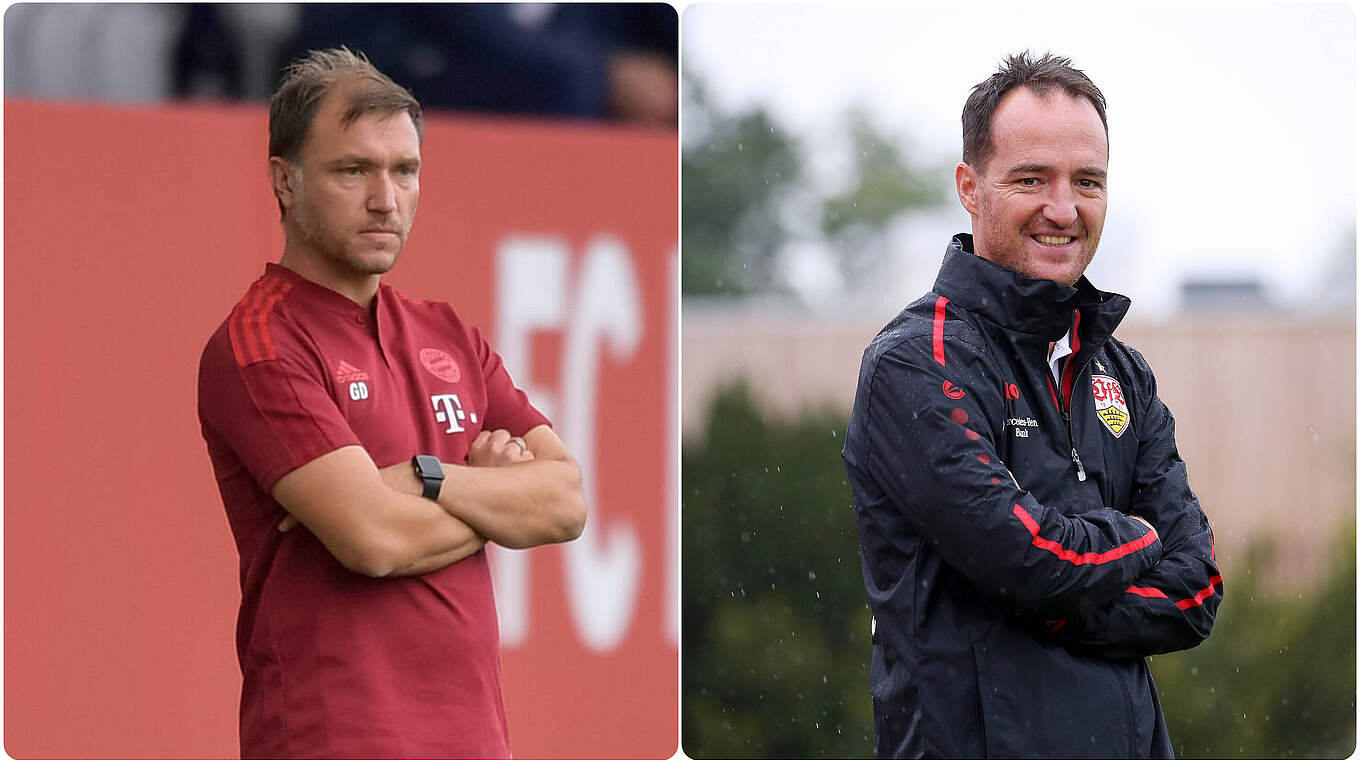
point(1089, 558)
point(939, 329)
point(240, 347)
point(248, 326)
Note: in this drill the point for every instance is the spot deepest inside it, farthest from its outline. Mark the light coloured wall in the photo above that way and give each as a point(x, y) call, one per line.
point(1264, 406)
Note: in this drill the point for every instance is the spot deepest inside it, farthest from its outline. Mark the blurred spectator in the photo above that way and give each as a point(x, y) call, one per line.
point(575, 60)
point(594, 61)
point(231, 51)
point(117, 53)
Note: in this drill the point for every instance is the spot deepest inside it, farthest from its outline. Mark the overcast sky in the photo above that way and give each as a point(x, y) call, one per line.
point(1232, 127)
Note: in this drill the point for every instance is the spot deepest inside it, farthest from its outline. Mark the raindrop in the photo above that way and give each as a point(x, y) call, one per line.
point(740, 147)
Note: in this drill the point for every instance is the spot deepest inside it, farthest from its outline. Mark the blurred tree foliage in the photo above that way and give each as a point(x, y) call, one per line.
point(776, 624)
point(776, 628)
point(731, 187)
point(886, 185)
point(738, 178)
point(1277, 676)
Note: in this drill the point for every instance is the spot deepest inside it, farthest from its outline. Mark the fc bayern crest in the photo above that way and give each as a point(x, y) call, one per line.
point(1110, 405)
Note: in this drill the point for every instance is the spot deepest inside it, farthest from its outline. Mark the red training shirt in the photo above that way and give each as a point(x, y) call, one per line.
point(336, 663)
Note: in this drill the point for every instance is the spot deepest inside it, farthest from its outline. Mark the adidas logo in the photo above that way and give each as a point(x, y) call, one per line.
point(348, 373)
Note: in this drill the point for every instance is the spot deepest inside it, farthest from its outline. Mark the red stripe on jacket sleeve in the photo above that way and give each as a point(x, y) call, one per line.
point(1090, 558)
point(1184, 604)
point(939, 329)
point(1147, 591)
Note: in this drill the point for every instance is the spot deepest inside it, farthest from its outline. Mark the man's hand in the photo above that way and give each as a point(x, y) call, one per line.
point(517, 498)
point(1148, 524)
point(497, 448)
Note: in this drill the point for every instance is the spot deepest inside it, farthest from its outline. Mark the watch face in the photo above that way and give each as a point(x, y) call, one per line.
point(429, 467)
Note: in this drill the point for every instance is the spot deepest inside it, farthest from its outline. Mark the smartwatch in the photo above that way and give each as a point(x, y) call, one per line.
point(431, 473)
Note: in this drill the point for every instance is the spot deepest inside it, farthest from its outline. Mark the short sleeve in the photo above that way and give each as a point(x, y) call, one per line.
point(275, 415)
point(507, 406)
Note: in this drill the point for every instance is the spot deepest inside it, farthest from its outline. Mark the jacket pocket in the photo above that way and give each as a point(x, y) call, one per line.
point(1039, 700)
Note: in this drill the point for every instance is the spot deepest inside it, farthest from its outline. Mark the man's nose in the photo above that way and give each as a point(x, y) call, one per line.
point(382, 193)
point(1061, 206)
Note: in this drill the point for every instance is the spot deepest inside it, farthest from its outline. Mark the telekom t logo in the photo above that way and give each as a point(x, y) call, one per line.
point(447, 408)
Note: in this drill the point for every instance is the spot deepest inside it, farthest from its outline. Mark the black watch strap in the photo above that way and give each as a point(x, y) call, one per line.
point(431, 473)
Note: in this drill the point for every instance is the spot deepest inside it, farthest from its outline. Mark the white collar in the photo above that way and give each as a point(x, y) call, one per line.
point(1060, 349)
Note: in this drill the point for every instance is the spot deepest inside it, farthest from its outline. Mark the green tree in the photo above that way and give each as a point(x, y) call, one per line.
point(732, 183)
point(886, 185)
point(776, 625)
point(1277, 676)
point(745, 193)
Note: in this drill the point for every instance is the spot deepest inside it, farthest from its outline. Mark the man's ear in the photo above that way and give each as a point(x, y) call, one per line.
point(281, 176)
point(966, 183)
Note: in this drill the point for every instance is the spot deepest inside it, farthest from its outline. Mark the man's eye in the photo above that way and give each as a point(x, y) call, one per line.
point(1029, 181)
point(1089, 184)
point(353, 171)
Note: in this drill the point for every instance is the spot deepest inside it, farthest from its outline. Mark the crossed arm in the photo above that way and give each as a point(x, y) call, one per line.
point(1172, 605)
point(375, 522)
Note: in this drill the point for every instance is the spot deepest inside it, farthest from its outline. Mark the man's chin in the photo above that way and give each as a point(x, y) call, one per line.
point(1066, 268)
point(373, 262)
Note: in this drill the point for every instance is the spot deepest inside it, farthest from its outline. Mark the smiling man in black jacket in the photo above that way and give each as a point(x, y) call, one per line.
point(1027, 529)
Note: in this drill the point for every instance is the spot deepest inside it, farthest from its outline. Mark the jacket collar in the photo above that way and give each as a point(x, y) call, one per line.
point(1041, 309)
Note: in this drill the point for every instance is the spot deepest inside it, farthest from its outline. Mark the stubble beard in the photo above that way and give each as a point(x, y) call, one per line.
point(322, 239)
point(1010, 253)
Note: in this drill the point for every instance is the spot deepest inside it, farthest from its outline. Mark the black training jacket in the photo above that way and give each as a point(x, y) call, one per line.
point(1012, 616)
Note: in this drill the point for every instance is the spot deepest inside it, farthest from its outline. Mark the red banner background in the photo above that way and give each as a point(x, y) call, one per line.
point(130, 232)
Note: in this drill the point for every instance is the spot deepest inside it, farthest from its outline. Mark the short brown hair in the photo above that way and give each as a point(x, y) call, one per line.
point(1021, 70)
point(308, 80)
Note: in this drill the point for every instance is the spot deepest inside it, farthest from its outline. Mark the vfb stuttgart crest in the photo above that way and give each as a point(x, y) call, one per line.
point(1110, 405)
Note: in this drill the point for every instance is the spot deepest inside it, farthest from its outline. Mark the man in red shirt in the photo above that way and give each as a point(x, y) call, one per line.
point(366, 446)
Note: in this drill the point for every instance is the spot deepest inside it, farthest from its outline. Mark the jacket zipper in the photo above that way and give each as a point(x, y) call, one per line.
point(1072, 441)
point(1066, 418)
